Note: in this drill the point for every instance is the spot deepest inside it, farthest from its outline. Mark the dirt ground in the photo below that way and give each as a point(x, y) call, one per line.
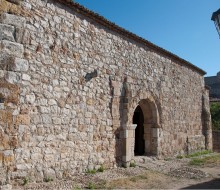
point(152, 180)
point(148, 173)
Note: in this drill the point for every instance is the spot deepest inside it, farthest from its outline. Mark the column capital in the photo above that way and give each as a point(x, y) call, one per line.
point(132, 127)
point(129, 127)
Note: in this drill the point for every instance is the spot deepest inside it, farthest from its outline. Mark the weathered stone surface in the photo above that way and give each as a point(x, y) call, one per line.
point(19, 64)
point(23, 119)
point(77, 85)
point(7, 7)
point(13, 20)
point(12, 48)
point(9, 92)
point(30, 98)
point(17, 2)
point(2, 74)
point(6, 32)
point(13, 77)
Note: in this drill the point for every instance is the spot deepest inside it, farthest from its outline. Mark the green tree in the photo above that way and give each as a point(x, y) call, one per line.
point(215, 113)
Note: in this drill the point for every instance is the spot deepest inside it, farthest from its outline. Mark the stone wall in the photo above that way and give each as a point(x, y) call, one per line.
point(216, 140)
point(214, 83)
point(69, 87)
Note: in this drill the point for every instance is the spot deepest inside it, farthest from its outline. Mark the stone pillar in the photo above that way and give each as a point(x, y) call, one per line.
point(206, 116)
point(128, 137)
point(151, 137)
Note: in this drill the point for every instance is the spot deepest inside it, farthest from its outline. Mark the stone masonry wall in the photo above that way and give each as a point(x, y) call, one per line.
point(214, 83)
point(62, 80)
point(216, 144)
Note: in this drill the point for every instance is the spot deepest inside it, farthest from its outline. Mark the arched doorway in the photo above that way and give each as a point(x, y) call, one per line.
point(146, 136)
point(138, 119)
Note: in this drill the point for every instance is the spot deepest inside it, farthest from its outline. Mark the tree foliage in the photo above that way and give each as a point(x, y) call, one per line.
point(215, 113)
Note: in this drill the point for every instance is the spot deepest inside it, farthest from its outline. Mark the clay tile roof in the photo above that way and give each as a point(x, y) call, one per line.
point(110, 25)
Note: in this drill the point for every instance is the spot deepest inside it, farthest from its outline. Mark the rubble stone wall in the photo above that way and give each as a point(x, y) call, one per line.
point(68, 87)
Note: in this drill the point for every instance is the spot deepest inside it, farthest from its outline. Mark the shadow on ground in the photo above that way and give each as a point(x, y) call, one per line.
point(213, 184)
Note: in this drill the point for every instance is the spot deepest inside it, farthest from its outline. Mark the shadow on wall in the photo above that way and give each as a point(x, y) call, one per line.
point(123, 102)
point(213, 184)
point(118, 107)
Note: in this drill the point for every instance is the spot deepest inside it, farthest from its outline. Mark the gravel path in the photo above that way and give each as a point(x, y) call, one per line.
point(173, 167)
point(82, 181)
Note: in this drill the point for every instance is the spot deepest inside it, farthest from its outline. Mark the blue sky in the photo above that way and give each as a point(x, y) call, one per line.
point(183, 27)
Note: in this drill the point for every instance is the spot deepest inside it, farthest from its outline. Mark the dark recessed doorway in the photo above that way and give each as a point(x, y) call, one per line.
point(138, 119)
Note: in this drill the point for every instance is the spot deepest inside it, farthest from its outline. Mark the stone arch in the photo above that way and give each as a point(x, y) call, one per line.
point(151, 123)
point(143, 99)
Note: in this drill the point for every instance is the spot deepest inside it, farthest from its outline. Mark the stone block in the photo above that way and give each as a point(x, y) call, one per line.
point(49, 173)
point(5, 142)
point(6, 32)
point(2, 106)
point(13, 142)
point(9, 92)
point(25, 4)
point(26, 77)
point(2, 73)
point(12, 48)
point(30, 98)
point(14, 20)
point(23, 119)
point(17, 2)
point(90, 101)
point(6, 6)
point(46, 119)
point(1, 159)
point(23, 166)
point(8, 157)
point(13, 77)
point(52, 102)
point(19, 64)
point(155, 132)
point(56, 121)
point(5, 59)
point(131, 133)
point(36, 156)
point(44, 109)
